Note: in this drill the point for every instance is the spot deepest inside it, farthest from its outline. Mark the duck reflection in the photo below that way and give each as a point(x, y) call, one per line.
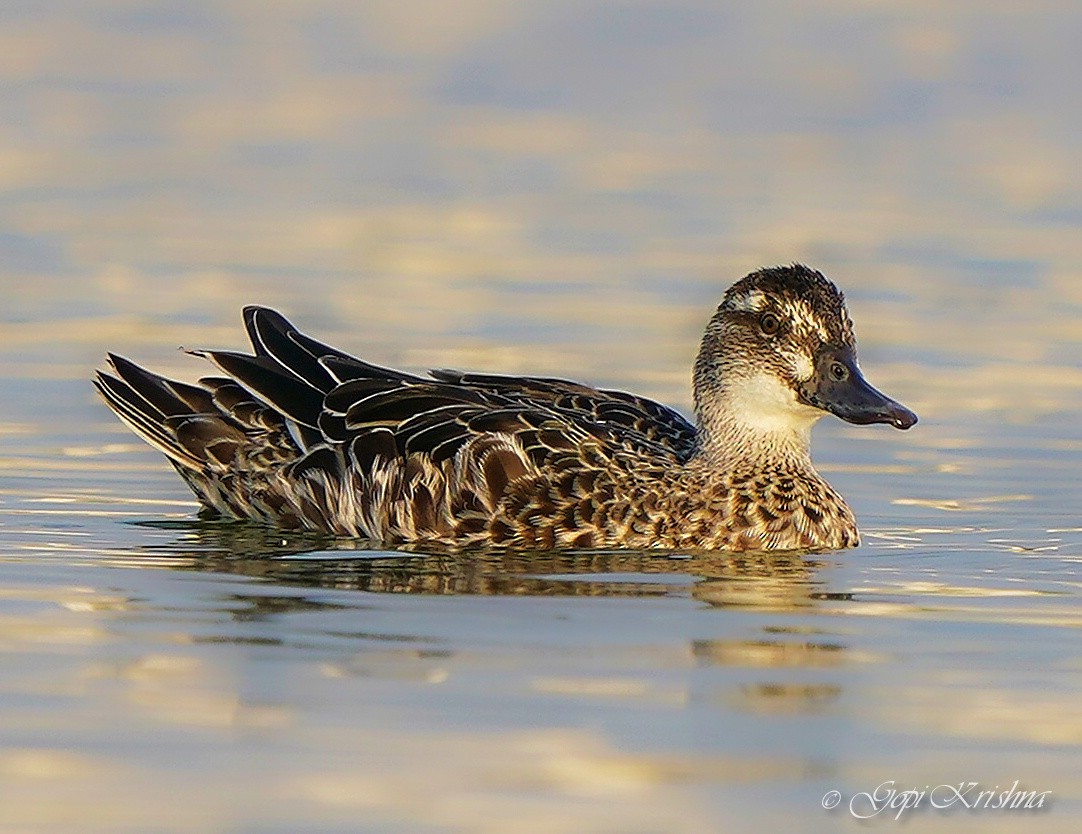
point(769, 666)
point(772, 581)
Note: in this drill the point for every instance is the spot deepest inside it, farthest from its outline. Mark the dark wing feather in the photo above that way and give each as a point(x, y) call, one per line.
point(143, 418)
point(274, 337)
point(289, 365)
point(267, 379)
point(400, 404)
point(216, 426)
point(625, 418)
point(363, 412)
point(659, 422)
point(208, 437)
point(550, 421)
point(440, 438)
point(166, 396)
point(348, 394)
point(369, 445)
point(345, 368)
point(498, 382)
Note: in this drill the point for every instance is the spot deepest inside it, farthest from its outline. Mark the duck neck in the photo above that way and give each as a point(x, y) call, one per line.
point(736, 431)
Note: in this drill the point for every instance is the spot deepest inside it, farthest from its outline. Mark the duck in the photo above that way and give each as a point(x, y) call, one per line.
point(300, 435)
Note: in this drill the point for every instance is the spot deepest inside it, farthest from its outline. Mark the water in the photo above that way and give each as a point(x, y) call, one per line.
point(559, 189)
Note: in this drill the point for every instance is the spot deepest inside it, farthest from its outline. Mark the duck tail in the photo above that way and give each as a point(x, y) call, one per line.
point(181, 421)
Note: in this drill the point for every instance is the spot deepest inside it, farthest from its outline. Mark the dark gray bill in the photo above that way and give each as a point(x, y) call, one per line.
point(840, 388)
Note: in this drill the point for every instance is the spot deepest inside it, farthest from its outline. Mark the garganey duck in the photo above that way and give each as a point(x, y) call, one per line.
point(304, 436)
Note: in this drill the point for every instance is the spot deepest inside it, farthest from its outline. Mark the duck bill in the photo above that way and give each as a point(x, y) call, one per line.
point(840, 388)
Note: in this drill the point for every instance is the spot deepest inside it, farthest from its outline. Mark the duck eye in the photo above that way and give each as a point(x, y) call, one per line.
point(769, 323)
point(838, 372)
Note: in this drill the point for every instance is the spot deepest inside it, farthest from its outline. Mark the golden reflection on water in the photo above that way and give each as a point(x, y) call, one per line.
point(175, 679)
point(168, 688)
point(564, 190)
point(778, 581)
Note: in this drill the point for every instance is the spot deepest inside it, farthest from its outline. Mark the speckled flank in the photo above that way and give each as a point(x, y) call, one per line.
point(303, 436)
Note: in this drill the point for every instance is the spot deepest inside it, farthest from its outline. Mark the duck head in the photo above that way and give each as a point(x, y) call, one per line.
point(779, 353)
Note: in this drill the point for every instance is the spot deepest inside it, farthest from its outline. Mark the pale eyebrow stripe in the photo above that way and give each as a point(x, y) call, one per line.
point(751, 302)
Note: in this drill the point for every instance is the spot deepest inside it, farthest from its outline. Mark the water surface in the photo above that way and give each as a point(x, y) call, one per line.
point(559, 189)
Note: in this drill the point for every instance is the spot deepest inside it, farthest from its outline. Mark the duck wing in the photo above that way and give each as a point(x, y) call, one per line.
point(628, 419)
point(298, 402)
point(335, 398)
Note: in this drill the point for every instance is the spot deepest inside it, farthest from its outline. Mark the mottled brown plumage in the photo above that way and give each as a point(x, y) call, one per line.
point(304, 436)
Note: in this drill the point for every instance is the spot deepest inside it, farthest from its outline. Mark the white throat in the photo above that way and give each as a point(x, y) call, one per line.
point(759, 416)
